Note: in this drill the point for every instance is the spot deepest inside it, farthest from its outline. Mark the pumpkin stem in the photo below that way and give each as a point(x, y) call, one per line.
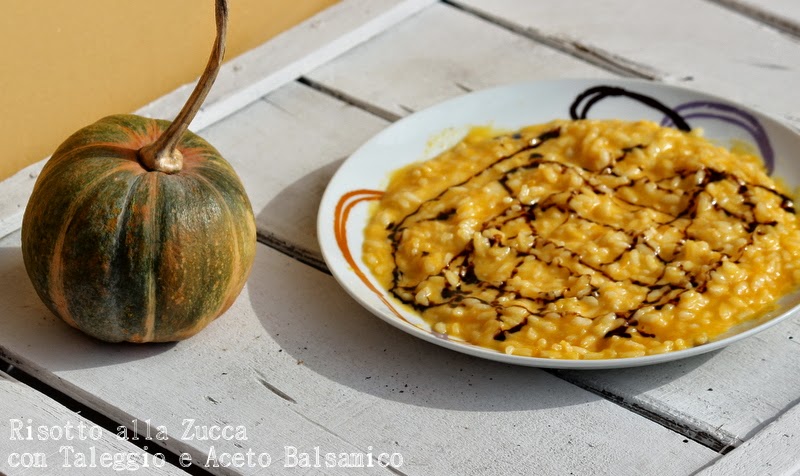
point(163, 154)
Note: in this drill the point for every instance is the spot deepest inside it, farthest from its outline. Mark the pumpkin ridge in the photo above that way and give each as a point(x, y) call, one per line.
point(201, 153)
point(155, 252)
point(235, 275)
point(123, 149)
point(56, 271)
point(123, 220)
point(124, 122)
point(58, 164)
point(208, 165)
point(216, 169)
point(137, 130)
point(124, 214)
point(118, 129)
point(151, 131)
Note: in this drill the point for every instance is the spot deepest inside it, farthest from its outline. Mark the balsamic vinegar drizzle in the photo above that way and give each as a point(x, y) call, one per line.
point(659, 292)
point(597, 93)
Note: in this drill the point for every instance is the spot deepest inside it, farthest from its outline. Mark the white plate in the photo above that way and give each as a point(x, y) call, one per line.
point(424, 134)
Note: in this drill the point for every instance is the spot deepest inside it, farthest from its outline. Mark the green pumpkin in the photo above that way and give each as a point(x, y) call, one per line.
point(128, 254)
point(137, 229)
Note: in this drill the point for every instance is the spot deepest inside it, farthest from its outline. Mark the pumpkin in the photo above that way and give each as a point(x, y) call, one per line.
point(138, 230)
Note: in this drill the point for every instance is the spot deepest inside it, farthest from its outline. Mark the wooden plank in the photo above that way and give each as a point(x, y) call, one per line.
point(15, 192)
point(297, 363)
point(430, 62)
point(317, 40)
point(782, 14)
point(773, 451)
point(293, 148)
point(722, 398)
point(739, 404)
point(285, 194)
point(694, 42)
point(750, 381)
point(334, 382)
point(40, 436)
point(286, 148)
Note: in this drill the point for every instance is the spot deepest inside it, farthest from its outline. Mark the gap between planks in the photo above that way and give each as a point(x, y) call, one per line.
point(352, 100)
point(616, 65)
point(139, 440)
point(605, 60)
point(312, 259)
point(590, 54)
point(772, 450)
point(774, 20)
point(298, 253)
point(692, 432)
point(595, 56)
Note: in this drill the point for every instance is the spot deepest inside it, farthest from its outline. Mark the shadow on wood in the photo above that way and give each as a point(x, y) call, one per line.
point(313, 320)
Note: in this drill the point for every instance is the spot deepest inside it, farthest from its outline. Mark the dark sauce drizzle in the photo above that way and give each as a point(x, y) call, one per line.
point(597, 93)
point(660, 292)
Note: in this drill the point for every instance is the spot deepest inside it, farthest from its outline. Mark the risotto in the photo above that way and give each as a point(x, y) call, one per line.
point(585, 239)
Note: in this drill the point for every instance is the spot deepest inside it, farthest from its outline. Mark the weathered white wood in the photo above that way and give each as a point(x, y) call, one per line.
point(14, 194)
point(440, 53)
point(286, 148)
point(783, 14)
point(722, 398)
point(40, 436)
point(773, 451)
point(752, 380)
point(694, 42)
point(298, 364)
point(317, 40)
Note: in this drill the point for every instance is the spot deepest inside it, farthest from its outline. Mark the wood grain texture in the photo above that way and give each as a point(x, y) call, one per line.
point(278, 129)
point(675, 394)
point(722, 398)
point(298, 363)
point(691, 42)
point(772, 452)
point(719, 397)
point(15, 192)
point(285, 148)
point(781, 14)
point(317, 40)
point(67, 437)
point(430, 62)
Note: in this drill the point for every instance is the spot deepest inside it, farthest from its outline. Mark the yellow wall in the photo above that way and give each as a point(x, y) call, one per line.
point(67, 63)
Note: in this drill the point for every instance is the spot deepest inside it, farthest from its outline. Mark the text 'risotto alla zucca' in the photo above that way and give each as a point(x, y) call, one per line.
point(585, 239)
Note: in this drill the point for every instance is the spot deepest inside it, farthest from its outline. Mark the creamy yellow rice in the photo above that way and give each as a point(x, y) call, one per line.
point(585, 239)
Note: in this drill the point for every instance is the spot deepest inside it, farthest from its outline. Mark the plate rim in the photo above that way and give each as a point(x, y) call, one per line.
point(328, 246)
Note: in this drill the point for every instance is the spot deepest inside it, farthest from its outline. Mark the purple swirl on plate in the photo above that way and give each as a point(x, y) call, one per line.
point(730, 115)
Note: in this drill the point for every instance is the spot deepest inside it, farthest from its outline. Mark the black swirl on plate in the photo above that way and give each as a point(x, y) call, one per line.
point(592, 95)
